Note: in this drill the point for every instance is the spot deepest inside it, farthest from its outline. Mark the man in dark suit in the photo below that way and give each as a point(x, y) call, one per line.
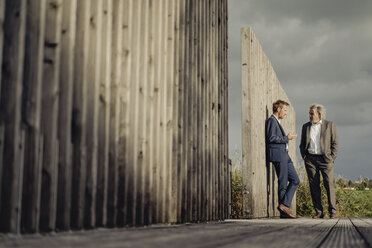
point(277, 153)
point(319, 145)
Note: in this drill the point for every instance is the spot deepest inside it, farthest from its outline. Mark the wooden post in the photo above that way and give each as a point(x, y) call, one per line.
point(2, 17)
point(94, 65)
point(175, 159)
point(79, 114)
point(169, 121)
point(65, 114)
point(10, 109)
point(104, 113)
point(49, 116)
point(34, 55)
point(116, 45)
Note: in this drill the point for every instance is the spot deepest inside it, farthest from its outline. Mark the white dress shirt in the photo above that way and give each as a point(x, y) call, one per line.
point(315, 130)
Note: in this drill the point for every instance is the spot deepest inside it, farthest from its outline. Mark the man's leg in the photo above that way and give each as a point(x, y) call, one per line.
point(281, 169)
point(313, 175)
point(294, 181)
point(327, 174)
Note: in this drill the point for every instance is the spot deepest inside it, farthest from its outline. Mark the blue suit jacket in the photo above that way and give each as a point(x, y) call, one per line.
point(276, 140)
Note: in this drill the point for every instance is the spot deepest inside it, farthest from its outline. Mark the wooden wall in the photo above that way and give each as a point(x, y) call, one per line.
point(260, 88)
point(113, 113)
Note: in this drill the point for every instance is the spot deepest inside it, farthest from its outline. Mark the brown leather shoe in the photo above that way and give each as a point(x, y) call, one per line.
point(333, 216)
point(319, 215)
point(285, 213)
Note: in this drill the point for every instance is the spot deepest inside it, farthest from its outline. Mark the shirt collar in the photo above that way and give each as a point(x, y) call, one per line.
point(276, 118)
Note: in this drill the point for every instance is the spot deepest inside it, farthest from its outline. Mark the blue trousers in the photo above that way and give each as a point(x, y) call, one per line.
point(286, 172)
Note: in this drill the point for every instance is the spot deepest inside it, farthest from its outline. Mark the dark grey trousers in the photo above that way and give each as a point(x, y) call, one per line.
point(315, 164)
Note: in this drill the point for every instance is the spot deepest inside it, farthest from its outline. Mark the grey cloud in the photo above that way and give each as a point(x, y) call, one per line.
point(321, 53)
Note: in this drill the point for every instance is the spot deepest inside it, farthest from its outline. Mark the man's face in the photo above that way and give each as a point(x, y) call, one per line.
point(282, 111)
point(314, 116)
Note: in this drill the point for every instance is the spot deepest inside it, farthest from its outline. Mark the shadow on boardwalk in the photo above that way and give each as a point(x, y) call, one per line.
point(303, 232)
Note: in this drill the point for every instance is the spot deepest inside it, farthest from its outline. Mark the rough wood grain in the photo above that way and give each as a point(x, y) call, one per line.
point(260, 88)
point(304, 232)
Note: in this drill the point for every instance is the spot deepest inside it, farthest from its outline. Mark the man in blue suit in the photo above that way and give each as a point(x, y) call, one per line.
point(277, 153)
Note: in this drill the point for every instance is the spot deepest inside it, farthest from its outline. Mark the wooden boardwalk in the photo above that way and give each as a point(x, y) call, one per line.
point(303, 232)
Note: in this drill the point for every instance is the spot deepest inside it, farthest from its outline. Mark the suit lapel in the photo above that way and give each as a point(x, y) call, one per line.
point(280, 126)
point(308, 134)
point(322, 132)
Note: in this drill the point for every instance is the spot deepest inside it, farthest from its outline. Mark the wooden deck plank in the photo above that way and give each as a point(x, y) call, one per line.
point(304, 232)
point(344, 234)
point(364, 227)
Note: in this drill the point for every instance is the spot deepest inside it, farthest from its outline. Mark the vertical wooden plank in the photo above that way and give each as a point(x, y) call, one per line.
point(163, 100)
point(195, 151)
point(203, 109)
point(220, 106)
point(225, 113)
point(112, 196)
point(79, 113)
point(10, 118)
point(94, 64)
point(2, 130)
point(199, 128)
point(214, 106)
point(141, 110)
point(65, 114)
point(124, 115)
point(49, 113)
point(20, 179)
point(2, 17)
point(104, 113)
point(175, 164)
point(246, 142)
point(191, 120)
point(136, 117)
point(180, 119)
point(149, 122)
point(32, 103)
point(154, 201)
point(208, 112)
point(188, 110)
point(169, 124)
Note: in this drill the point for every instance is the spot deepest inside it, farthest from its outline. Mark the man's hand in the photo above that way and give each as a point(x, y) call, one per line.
point(291, 136)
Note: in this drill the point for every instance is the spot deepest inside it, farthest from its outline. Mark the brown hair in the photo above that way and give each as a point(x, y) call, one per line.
point(279, 104)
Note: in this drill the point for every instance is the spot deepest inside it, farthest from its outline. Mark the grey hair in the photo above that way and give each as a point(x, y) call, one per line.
point(320, 109)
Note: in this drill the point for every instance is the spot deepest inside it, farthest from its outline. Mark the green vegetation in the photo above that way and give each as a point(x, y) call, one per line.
point(350, 203)
point(352, 198)
point(236, 192)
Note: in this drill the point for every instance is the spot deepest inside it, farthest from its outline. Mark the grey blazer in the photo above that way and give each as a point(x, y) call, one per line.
point(328, 140)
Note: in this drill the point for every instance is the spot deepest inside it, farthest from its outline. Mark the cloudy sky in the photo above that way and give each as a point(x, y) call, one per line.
point(321, 51)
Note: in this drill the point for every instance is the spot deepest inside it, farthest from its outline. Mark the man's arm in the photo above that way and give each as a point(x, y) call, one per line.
point(272, 131)
point(334, 141)
point(303, 141)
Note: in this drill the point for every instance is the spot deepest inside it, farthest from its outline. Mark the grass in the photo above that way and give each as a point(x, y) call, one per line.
point(349, 203)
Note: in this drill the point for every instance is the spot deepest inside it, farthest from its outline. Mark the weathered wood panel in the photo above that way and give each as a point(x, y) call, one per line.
point(260, 88)
point(64, 114)
point(116, 116)
point(104, 114)
point(79, 113)
point(11, 113)
point(32, 83)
